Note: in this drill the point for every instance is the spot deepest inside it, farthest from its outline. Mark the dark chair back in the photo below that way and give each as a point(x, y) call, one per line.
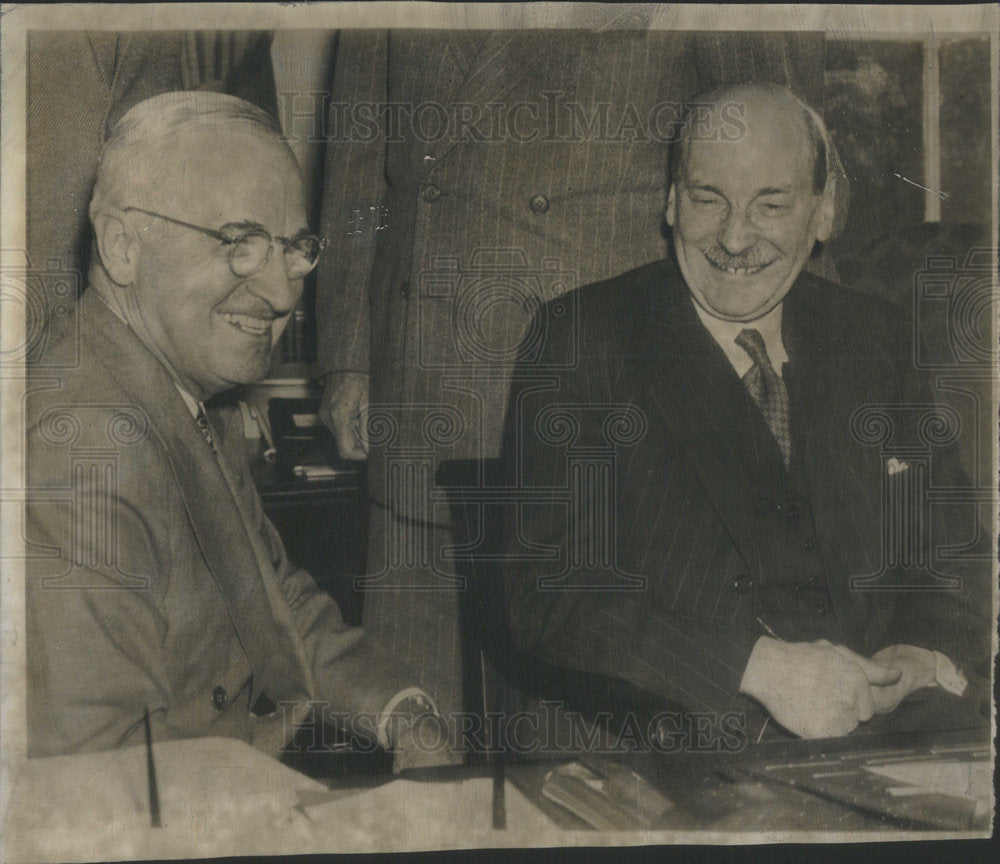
point(497, 676)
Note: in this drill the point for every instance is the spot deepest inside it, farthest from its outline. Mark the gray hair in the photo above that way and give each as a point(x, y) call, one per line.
point(139, 150)
point(824, 157)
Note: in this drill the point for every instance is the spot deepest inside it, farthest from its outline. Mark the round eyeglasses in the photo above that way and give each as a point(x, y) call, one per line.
point(250, 246)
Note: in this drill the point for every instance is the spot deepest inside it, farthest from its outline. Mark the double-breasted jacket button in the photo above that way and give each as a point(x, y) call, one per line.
point(743, 583)
point(430, 193)
point(539, 204)
point(404, 290)
point(823, 608)
point(219, 697)
point(809, 544)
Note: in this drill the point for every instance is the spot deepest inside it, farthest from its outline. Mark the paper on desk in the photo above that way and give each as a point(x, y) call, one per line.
point(961, 779)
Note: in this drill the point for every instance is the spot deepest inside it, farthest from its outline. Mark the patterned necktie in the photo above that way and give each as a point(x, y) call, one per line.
point(205, 429)
point(767, 389)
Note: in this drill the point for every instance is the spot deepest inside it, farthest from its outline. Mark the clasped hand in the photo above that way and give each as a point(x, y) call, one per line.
point(822, 690)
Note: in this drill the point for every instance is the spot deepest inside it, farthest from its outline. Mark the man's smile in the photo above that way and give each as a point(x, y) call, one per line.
point(254, 325)
point(735, 266)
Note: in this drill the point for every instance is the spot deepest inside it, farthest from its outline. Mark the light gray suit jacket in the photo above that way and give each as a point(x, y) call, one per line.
point(154, 578)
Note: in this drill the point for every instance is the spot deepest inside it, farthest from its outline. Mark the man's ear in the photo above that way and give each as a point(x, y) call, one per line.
point(671, 206)
point(826, 212)
point(117, 245)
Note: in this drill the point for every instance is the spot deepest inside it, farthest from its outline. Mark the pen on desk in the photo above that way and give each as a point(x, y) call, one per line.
point(154, 795)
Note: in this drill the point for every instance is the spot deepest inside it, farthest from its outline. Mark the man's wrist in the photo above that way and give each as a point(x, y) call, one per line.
point(756, 680)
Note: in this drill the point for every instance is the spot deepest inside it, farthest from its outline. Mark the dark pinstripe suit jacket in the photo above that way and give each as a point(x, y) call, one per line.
point(643, 460)
point(484, 225)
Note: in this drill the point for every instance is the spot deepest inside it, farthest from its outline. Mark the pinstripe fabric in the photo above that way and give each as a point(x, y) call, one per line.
point(428, 305)
point(730, 543)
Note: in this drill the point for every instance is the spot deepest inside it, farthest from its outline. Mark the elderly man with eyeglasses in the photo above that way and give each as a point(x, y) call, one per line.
point(160, 586)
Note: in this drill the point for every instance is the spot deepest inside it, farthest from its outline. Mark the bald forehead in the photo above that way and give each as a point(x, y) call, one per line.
point(767, 116)
point(772, 132)
point(778, 115)
point(204, 154)
point(205, 166)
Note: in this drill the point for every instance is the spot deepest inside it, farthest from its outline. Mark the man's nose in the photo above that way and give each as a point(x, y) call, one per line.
point(271, 283)
point(737, 233)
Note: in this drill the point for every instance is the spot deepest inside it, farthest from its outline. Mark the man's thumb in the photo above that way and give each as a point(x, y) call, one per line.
point(876, 673)
point(879, 675)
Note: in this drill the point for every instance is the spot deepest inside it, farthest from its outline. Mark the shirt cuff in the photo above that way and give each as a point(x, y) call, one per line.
point(947, 676)
point(423, 703)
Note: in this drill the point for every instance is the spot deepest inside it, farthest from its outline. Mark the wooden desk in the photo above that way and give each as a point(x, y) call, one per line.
point(221, 797)
point(791, 786)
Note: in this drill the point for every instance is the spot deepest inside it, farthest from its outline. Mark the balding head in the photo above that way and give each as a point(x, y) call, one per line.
point(142, 152)
point(733, 100)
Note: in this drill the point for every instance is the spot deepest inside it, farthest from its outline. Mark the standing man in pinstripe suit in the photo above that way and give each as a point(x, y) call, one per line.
point(471, 176)
point(753, 561)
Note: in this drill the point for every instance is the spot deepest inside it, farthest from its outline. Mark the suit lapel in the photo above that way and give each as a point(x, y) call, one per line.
point(705, 407)
point(215, 519)
point(826, 388)
point(105, 48)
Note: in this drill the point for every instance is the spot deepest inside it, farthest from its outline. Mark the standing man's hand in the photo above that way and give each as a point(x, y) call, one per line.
point(814, 689)
point(345, 398)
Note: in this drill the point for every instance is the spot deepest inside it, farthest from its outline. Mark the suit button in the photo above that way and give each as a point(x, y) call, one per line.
point(792, 513)
point(808, 544)
point(822, 608)
point(404, 290)
point(743, 583)
point(430, 193)
point(539, 204)
point(219, 697)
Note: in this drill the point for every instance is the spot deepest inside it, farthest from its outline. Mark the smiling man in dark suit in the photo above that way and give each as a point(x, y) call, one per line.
point(741, 557)
point(494, 169)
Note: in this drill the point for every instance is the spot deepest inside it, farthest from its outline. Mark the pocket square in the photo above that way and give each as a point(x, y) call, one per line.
point(897, 467)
